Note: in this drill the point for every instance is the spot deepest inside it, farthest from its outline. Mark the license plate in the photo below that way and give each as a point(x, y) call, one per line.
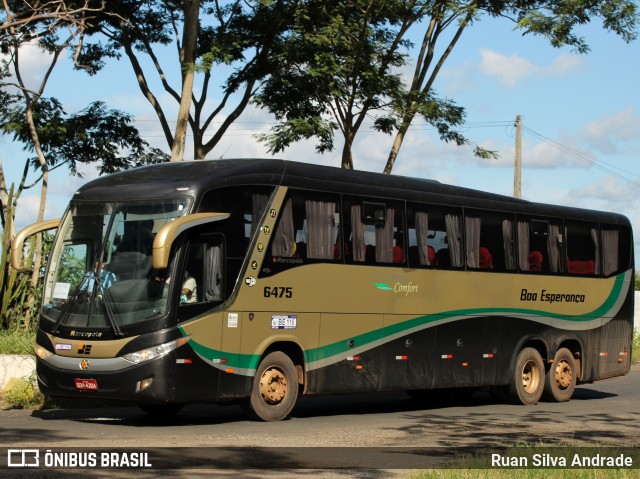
point(87, 384)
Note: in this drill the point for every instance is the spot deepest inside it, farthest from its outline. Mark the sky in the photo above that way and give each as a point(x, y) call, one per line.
point(580, 117)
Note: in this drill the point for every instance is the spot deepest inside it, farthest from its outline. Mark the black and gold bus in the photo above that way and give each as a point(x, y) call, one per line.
point(257, 281)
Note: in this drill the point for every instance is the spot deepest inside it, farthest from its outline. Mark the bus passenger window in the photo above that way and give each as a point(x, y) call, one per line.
point(307, 230)
point(376, 232)
point(616, 249)
point(540, 246)
point(202, 279)
point(435, 237)
point(489, 240)
point(583, 251)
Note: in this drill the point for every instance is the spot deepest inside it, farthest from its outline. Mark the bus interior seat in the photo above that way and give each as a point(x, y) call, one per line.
point(129, 265)
point(581, 266)
point(443, 258)
point(300, 250)
point(431, 254)
point(486, 259)
point(398, 254)
point(535, 261)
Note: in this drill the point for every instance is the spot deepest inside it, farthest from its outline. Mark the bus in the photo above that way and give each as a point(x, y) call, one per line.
point(256, 281)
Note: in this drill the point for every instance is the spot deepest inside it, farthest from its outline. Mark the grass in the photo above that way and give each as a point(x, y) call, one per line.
point(17, 342)
point(479, 465)
point(526, 474)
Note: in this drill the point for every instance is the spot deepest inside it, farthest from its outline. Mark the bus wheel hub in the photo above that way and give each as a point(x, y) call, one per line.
point(563, 375)
point(273, 386)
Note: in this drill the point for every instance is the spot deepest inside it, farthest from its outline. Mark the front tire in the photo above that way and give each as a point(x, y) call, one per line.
point(560, 382)
point(528, 380)
point(275, 388)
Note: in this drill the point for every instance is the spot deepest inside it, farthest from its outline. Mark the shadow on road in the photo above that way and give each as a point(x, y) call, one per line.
point(307, 407)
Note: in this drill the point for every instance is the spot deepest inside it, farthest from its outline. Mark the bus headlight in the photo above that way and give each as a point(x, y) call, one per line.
point(43, 353)
point(155, 351)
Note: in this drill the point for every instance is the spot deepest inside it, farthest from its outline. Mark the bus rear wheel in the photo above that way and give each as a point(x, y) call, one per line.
point(275, 388)
point(527, 383)
point(560, 382)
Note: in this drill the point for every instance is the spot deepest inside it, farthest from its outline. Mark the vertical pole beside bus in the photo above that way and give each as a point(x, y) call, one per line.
point(517, 178)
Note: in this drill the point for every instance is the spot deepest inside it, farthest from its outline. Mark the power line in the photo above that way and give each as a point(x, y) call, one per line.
point(585, 158)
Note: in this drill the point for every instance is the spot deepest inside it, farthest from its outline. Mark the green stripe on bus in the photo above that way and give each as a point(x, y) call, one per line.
point(250, 361)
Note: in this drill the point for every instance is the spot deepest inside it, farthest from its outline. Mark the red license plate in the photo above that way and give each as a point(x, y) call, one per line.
point(86, 384)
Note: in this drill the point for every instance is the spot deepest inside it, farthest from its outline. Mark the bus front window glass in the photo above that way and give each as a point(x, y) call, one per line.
point(117, 287)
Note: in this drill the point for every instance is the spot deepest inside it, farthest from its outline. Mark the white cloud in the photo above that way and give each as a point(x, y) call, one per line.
point(33, 63)
point(610, 194)
point(512, 69)
point(606, 133)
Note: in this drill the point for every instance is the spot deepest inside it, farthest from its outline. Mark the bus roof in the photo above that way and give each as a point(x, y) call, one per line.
point(194, 178)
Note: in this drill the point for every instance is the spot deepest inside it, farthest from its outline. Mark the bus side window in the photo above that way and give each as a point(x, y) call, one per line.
point(306, 231)
point(539, 246)
point(203, 278)
point(616, 249)
point(489, 241)
point(583, 249)
point(375, 232)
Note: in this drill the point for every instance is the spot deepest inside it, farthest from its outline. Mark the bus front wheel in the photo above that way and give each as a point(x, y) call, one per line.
point(527, 383)
point(560, 382)
point(275, 388)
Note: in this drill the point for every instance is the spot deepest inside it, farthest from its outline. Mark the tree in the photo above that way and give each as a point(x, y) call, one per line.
point(39, 123)
point(226, 44)
point(339, 68)
point(17, 15)
point(555, 20)
point(344, 66)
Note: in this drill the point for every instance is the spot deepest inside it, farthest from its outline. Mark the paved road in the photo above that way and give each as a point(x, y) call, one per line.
point(604, 413)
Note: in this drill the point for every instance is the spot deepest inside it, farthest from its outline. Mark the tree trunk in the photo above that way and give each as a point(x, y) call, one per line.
point(189, 36)
point(347, 156)
point(35, 274)
point(397, 143)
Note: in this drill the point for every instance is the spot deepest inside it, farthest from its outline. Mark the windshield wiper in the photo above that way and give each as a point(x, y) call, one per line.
point(66, 309)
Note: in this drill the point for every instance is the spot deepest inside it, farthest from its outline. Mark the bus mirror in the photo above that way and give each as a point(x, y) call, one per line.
point(168, 233)
point(17, 246)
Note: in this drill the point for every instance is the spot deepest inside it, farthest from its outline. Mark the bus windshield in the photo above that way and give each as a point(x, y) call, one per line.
point(100, 271)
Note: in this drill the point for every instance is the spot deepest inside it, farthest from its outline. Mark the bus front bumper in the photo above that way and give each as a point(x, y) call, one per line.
point(107, 378)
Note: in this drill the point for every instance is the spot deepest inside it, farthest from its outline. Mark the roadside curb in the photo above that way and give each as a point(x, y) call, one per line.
point(15, 366)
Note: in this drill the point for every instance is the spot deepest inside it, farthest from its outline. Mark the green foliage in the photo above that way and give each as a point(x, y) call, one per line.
point(341, 61)
point(22, 393)
point(557, 20)
point(339, 64)
point(93, 135)
point(15, 287)
point(635, 347)
point(17, 342)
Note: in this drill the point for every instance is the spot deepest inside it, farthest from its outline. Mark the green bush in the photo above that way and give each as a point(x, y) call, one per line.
point(22, 393)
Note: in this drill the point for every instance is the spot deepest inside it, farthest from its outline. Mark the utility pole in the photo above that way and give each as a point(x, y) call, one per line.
point(517, 174)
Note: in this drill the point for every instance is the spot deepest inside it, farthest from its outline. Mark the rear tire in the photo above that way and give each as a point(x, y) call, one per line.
point(275, 389)
point(527, 383)
point(560, 381)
